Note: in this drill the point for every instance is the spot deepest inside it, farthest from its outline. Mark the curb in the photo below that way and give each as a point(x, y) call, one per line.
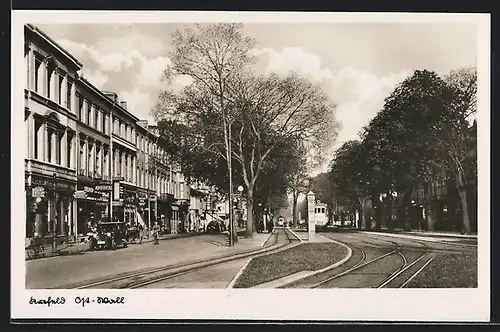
point(284, 282)
point(423, 237)
point(243, 268)
point(295, 234)
point(240, 272)
point(267, 238)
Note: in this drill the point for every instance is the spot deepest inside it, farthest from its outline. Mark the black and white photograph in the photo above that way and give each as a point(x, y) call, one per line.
point(331, 165)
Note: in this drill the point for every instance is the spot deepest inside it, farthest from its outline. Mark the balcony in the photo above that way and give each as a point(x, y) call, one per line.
point(48, 169)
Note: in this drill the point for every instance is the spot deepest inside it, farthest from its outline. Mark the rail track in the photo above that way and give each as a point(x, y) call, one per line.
point(397, 277)
point(282, 240)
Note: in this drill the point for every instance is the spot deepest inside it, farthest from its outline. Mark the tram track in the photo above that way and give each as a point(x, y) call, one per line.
point(147, 277)
point(392, 278)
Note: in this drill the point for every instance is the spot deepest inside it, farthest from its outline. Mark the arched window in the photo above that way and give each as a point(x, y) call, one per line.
point(52, 65)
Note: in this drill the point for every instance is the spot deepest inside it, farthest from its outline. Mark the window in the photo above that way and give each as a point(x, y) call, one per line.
point(48, 157)
point(103, 118)
point(59, 137)
point(59, 88)
point(38, 126)
point(68, 95)
point(98, 162)
point(50, 71)
point(89, 159)
point(96, 119)
point(69, 150)
point(82, 157)
point(80, 107)
point(89, 113)
point(38, 64)
point(105, 163)
point(26, 65)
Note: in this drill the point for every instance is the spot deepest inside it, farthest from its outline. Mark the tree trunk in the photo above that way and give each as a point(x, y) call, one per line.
point(377, 213)
point(294, 208)
point(362, 220)
point(429, 213)
point(250, 229)
point(463, 200)
point(388, 206)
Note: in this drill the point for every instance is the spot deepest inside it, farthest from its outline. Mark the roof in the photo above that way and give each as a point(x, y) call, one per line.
point(55, 45)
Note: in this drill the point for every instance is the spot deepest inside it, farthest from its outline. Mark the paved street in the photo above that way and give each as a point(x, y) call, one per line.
point(377, 260)
point(57, 272)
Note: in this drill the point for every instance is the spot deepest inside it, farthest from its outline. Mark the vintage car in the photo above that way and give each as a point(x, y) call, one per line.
point(213, 227)
point(109, 235)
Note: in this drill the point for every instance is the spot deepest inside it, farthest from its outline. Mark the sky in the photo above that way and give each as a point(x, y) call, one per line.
point(356, 64)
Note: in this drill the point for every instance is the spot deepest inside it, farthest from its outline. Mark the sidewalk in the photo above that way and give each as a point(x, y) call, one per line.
point(442, 234)
point(65, 270)
point(424, 236)
point(449, 234)
point(81, 247)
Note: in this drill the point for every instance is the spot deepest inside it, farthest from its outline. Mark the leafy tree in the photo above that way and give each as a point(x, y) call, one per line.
point(350, 177)
point(456, 138)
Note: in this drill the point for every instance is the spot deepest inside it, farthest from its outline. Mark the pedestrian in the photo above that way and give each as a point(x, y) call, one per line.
point(141, 230)
point(156, 230)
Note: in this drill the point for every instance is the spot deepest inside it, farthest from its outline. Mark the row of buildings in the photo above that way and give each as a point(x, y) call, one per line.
point(89, 157)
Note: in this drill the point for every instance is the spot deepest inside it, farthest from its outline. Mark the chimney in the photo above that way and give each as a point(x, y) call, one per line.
point(123, 104)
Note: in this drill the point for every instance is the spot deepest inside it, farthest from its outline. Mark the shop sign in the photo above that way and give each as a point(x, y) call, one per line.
point(104, 187)
point(80, 194)
point(88, 189)
point(38, 192)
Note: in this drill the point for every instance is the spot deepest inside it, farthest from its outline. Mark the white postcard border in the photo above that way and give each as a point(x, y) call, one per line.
point(255, 304)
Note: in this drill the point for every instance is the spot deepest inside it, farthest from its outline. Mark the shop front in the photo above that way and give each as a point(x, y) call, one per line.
point(125, 208)
point(49, 204)
point(183, 215)
point(92, 208)
point(165, 212)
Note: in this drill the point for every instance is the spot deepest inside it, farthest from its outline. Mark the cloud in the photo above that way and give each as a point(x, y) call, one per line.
point(132, 40)
point(96, 77)
point(359, 94)
point(294, 59)
point(139, 102)
point(368, 92)
point(152, 70)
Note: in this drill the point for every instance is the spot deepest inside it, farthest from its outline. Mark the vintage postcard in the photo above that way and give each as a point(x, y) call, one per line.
point(335, 166)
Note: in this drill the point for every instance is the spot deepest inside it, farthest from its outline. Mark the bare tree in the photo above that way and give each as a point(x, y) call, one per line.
point(210, 55)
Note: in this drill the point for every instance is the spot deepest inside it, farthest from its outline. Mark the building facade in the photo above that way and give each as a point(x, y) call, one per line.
point(81, 140)
point(50, 124)
point(93, 155)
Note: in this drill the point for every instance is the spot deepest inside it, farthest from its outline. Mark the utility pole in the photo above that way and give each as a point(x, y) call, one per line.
point(229, 161)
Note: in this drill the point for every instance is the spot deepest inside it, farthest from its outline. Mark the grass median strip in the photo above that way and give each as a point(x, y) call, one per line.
point(305, 257)
point(448, 271)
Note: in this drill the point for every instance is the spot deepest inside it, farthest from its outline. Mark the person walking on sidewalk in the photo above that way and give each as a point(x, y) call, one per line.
point(156, 233)
point(141, 231)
